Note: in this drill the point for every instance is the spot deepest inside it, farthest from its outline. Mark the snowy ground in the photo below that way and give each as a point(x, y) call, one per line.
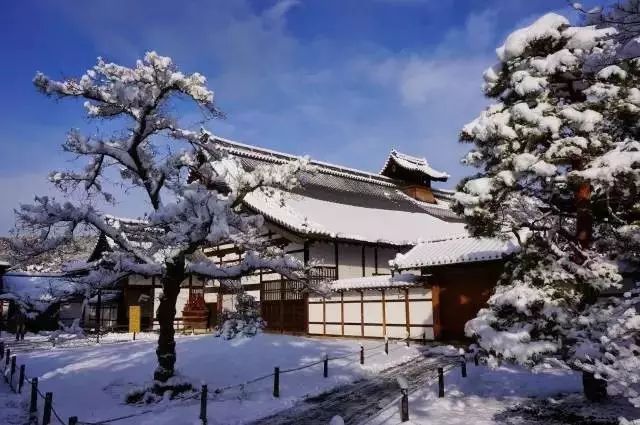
point(12, 408)
point(506, 395)
point(91, 382)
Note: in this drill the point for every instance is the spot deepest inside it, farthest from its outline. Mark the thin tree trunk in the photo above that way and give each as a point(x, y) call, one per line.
point(166, 351)
point(594, 389)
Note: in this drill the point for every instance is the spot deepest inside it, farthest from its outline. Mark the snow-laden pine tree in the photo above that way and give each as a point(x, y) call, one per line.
point(558, 162)
point(193, 191)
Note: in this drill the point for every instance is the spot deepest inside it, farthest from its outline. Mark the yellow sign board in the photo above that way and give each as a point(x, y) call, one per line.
point(134, 318)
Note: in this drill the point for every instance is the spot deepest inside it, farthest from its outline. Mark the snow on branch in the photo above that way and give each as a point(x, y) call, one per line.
point(53, 223)
point(270, 259)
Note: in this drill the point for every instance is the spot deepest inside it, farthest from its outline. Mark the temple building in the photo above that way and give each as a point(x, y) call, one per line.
point(357, 229)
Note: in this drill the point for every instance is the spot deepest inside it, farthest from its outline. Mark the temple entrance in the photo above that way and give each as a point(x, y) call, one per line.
point(283, 306)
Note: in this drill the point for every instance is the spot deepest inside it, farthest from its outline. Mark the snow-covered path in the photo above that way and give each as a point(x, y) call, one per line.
point(361, 400)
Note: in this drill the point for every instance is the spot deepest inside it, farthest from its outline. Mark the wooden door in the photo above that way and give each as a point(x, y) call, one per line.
point(284, 306)
point(463, 293)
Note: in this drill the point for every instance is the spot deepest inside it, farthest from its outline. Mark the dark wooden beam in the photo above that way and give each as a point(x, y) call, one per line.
point(406, 310)
point(435, 306)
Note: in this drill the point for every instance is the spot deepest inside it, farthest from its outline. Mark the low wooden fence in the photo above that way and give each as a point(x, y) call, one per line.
point(17, 378)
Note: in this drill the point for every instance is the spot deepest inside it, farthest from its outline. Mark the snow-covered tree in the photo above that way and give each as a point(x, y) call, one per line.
point(193, 190)
point(558, 168)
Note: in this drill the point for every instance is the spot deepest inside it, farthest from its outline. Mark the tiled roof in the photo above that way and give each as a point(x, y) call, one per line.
point(375, 282)
point(464, 249)
point(413, 163)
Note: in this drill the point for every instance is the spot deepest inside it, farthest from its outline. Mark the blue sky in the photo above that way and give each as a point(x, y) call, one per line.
point(343, 81)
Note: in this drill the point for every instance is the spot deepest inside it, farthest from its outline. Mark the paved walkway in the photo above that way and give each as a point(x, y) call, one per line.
point(362, 400)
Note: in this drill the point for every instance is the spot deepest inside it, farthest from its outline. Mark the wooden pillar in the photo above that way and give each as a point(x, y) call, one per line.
point(324, 316)
point(364, 272)
point(342, 312)
point(406, 310)
point(375, 259)
point(384, 315)
point(335, 252)
point(362, 313)
point(190, 286)
point(282, 295)
point(435, 304)
point(307, 244)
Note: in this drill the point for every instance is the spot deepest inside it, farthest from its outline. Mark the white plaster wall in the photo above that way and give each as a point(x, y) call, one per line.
point(395, 313)
point(352, 312)
point(417, 333)
point(334, 330)
point(374, 331)
point(352, 330)
point(369, 261)
point(420, 313)
point(210, 297)
point(315, 312)
point(384, 255)
point(419, 293)
point(396, 332)
point(322, 253)
point(255, 294)
point(315, 329)
point(351, 296)
point(373, 312)
point(349, 261)
point(333, 312)
point(229, 302)
point(250, 279)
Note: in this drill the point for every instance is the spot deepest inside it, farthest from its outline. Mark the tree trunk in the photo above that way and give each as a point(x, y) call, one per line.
point(594, 389)
point(166, 351)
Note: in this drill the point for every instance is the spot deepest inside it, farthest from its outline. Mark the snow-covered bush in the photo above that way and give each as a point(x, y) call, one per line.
point(558, 162)
point(245, 320)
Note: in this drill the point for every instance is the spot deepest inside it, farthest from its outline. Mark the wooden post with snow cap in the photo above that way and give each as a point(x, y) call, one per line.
point(386, 345)
point(48, 404)
point(476, 360)
point(21, 378)
point(276, 382)
point(325, 371)
point(361, 354)
point(404, 404)
point(203, 404)
point(12, 371)
point(440, 382)
point(98, 315)
point(33, 405)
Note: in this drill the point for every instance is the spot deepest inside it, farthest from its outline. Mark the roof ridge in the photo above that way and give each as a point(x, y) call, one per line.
point(325, 166)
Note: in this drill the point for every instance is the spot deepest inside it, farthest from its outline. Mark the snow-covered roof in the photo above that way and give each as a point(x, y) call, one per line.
point(36, 293)
point(371, 282)
point(65, 257)
point(412, 163)
point(322, 218)
point(464, 249)
point(343, 203)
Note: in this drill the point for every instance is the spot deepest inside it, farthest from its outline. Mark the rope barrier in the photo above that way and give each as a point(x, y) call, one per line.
point(213, 395)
